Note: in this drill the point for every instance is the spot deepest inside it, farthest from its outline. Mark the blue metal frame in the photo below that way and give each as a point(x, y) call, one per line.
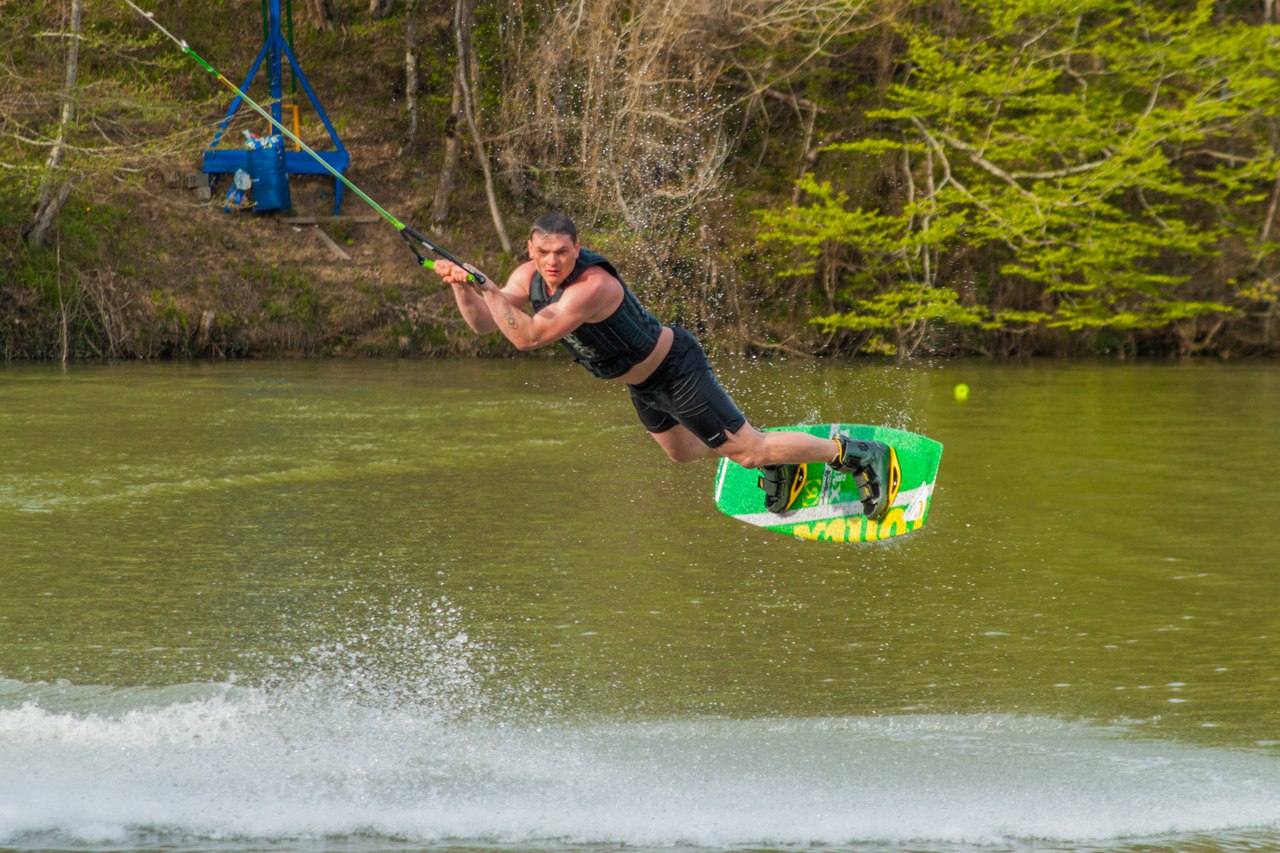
point(226, 160)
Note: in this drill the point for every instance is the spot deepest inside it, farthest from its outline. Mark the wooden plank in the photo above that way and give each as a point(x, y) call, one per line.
point(333, 247)
point(316, 220)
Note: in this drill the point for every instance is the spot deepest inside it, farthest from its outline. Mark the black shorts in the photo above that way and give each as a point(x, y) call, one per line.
point(683, 390)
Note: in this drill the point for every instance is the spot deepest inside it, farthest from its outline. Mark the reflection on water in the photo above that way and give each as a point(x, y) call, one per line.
point(394, 606)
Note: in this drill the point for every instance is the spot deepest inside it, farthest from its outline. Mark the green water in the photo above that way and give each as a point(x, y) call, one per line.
point(497, 545)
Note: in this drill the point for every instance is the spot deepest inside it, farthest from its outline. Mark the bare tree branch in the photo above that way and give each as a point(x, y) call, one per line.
point(51, 203)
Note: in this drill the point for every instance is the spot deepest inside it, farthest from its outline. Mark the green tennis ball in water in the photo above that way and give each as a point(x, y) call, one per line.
point(962, 391)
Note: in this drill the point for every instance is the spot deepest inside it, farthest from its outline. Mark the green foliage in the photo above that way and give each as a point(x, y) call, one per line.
point(1004, 176)
point(906, 313)
point(51, 292)
point(1092, 154)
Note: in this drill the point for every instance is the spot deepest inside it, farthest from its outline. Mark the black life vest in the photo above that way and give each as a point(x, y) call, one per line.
point(615, 345)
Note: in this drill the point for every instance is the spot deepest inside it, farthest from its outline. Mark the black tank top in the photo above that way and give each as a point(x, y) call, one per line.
point(617, 344)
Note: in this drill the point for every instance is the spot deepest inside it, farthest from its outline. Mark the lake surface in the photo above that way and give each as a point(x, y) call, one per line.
point(365, 606)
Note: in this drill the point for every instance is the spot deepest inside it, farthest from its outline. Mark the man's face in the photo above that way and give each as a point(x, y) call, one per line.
point(554, 255)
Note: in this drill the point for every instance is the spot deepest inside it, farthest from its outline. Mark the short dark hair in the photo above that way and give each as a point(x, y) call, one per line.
point(554, 224)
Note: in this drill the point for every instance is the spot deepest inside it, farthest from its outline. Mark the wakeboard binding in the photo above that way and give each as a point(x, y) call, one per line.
point(782, 485)
point(875, 471)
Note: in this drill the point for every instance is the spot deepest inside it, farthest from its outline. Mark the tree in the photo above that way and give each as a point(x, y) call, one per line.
point(324, 13)
point(634, 114)
point(68, 154)
point(410, 75)
point(464, 26)
point(450, 162)
point(52, 201)
point(1076, 167)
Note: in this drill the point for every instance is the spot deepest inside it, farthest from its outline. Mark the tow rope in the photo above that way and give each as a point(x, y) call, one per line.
point(410, 236)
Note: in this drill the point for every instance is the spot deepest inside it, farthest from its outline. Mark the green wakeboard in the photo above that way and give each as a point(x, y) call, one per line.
point(828, 509)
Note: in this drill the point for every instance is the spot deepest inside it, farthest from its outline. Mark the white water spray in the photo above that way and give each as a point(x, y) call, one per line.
point(354, 748)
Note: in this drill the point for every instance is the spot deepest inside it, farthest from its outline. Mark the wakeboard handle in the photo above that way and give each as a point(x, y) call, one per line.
point(409, 234)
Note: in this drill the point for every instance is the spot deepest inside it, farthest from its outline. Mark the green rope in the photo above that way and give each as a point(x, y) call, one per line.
point(405, 231)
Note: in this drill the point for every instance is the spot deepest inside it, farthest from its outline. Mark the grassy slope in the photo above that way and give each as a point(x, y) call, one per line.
point(275, 288)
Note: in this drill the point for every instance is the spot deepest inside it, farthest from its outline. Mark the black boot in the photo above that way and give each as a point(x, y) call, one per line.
point(875, 472)
point(782, 485)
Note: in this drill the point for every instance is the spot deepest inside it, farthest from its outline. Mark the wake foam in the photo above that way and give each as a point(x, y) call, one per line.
point(393, 736)
point(270, 765)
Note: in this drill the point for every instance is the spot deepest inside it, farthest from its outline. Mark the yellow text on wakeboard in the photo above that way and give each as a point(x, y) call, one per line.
point(857, 528)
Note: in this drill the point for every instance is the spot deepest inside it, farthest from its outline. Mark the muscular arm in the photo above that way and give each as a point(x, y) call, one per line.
point(591, 299)
point(474, 307)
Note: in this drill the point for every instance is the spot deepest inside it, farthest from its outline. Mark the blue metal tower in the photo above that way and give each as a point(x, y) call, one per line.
point(275, 50)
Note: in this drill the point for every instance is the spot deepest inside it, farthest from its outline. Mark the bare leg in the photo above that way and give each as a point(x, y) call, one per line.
point(682, 445)
point(749, 447)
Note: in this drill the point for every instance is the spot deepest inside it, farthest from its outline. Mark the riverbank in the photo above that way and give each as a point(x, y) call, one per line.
point(834, 188)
